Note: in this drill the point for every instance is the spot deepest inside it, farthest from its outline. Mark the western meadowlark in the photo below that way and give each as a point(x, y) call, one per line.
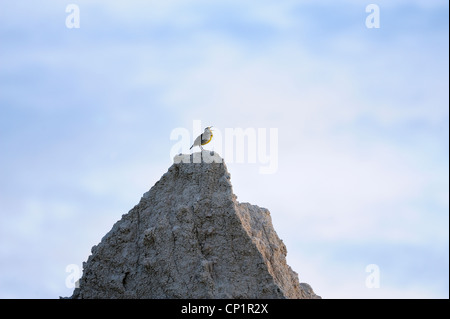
point(203, 138)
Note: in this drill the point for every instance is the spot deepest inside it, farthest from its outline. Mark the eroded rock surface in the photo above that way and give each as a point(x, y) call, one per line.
point(189, 237)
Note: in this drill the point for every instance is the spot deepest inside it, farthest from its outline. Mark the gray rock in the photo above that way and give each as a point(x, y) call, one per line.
point(190, 238)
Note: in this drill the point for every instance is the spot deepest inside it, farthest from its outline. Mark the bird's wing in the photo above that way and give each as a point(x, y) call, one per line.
point(198, 140)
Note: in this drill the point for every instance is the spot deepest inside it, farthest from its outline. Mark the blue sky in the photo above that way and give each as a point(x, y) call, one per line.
point(362, 114)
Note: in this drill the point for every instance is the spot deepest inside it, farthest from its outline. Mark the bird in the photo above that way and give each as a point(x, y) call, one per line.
point(203, 138)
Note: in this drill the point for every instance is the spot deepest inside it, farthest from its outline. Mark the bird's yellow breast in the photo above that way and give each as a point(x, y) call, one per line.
point(206, 142)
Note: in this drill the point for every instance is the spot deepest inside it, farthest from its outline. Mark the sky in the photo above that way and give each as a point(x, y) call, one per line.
point(360, 191)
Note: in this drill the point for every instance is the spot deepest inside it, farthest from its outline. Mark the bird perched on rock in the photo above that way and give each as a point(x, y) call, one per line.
point(203, 138)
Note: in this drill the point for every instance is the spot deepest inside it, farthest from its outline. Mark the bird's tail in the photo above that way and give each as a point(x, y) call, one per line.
point(192, 146)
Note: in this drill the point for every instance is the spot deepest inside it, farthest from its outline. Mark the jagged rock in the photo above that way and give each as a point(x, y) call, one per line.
point(190, 238)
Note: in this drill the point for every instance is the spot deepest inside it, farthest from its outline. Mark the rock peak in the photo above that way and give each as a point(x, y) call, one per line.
point(204, 156)
point(189, 237)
